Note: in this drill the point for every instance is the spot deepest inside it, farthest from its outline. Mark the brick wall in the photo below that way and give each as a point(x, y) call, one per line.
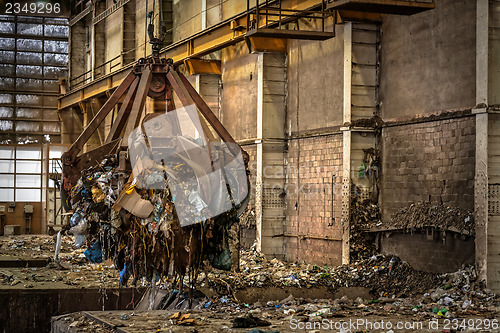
point(428, 161)
point(311, 164)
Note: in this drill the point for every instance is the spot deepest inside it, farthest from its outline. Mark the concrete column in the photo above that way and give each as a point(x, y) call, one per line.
point(481, 173)
point(481, 194)
point(270, 175)
point(346, 156)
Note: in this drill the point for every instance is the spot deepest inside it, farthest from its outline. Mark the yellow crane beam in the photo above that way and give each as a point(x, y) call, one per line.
point(217, 37)
point(234, 30)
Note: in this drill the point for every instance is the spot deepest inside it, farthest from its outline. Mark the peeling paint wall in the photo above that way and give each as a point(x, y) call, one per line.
point(315, 83)
point(428, 60)
point(113, 34)
point(239, 92)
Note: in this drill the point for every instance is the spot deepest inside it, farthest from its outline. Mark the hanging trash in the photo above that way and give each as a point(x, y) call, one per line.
point(163, 200)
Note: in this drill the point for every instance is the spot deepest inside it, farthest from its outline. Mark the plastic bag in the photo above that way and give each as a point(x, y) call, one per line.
point(80, 228)
point(94, 254)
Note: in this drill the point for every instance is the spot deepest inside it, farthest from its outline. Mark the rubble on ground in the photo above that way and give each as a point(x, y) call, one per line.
point(388, 279)
point(76, 271)
point(395, 289)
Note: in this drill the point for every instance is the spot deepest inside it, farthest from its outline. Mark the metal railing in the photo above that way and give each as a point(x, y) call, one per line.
point(98, 71)
point(275, 15)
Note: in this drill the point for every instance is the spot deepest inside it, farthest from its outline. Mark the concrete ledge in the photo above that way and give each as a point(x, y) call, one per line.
point(31, 310)
point(7, 261)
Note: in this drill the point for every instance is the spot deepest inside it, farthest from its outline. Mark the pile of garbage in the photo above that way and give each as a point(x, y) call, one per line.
point(385, 278)
point(394, 288)
point(427, 214)
point(382, 275)
point(461, 292)
point(27, 246)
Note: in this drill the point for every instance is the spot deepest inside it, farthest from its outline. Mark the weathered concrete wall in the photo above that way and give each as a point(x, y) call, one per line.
point(76, 48)
point(315, 83)
point(231, 8)
point(428, 161)
point(141, 38)
point(99, 39)
point(314, 104)
point(113, 34)
point(128, 33)
point(428, 60)
point(427, 250)
point(187, 18)
point(239, 92)
point(311, 209)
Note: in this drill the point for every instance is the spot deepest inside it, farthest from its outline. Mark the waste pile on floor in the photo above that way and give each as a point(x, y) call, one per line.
point(386, 278)
point(28, 246)
point(382, 275)
point(77, 272)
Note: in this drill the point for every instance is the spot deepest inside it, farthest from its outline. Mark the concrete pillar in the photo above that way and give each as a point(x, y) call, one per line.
point(481, 194)
point(270, 142)
point(493, 209)
point(487, 190)
point(481, 173)
point(346, 156)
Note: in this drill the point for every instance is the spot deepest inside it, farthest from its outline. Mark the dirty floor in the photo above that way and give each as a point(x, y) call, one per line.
point(363, 296)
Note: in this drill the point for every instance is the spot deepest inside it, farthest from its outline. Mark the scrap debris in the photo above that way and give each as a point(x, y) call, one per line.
point(393, 290)
point(79, 273)
point(428, 296)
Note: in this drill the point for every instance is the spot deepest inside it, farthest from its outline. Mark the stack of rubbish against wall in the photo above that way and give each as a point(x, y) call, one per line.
point(172, 213)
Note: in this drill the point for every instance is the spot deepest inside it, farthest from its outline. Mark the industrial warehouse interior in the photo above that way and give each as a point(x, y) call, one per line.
point(252, 166)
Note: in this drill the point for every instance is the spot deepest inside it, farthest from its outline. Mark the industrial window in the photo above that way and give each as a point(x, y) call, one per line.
point(21, 173)
point(33, 58)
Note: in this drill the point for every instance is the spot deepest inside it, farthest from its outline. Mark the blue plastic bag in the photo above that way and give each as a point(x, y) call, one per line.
point(94, 254)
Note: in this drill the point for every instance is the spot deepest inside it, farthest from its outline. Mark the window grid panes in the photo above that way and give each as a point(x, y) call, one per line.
point(21, 173)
